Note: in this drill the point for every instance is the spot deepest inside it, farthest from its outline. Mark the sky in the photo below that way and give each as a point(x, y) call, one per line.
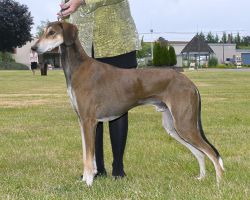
point(171, 19)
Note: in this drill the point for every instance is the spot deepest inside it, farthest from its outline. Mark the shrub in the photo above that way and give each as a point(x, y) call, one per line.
point(8, 63)
point(161, 55)
point(6, 57)
point(221, 66)
point(145, 51)
point(157, 54)
point(12, 66)
point(172, 56)
point(150, 63)
point(164, 56)
point(213, 62)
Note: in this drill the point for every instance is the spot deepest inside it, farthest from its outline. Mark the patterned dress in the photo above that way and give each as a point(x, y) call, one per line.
point(107, 26)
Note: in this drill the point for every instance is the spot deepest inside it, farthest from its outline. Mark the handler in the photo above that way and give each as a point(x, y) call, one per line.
point(108, 33)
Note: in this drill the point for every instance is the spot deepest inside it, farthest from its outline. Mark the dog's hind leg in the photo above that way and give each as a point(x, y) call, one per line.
point(193, 138)
point(167, 122)
point(187, 123)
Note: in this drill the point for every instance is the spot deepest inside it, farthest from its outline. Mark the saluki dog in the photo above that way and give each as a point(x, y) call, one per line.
point(100, 92)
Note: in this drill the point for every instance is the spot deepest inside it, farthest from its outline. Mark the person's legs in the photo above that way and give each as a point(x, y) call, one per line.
point(118, 135)
point(33, 68)
point(99, 150)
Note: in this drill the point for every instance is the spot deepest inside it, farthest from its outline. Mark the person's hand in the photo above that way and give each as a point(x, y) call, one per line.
point(70, 7)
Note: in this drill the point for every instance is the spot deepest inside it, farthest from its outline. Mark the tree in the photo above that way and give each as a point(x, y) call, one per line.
point(201, 34)
point(145, 51)
point(157, 54)
point(237, 40)
point(210, 38)
point(161, 55)
point(172, 56)
point(246, 40)
point(224, 38)
point(213, 62)
point(15, 26)
point(216, 39)
point(164, 60)
point(40, 28)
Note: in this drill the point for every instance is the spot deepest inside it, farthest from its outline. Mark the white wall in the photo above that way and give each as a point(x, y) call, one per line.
point(22, 54)
point(229, 51)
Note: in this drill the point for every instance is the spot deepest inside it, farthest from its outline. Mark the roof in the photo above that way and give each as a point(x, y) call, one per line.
point(197, 44)
point(178, 42)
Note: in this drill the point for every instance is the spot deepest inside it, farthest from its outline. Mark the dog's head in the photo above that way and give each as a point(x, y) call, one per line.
point(55, 34)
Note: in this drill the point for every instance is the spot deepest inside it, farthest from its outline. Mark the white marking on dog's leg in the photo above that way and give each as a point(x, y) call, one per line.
point(89, 126)
point(95, 167)
point(89, 171)
point(74, 104)
point(216, 166)
point(83, 149)
point(221, 164)
point(201, 160)
point(169, 127)
point(89, 178)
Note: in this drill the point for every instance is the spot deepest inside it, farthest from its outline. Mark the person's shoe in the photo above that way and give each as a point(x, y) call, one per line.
point(101, 174)
point(119, 175)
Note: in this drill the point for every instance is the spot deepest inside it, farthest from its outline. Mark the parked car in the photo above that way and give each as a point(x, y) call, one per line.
point(238, 61)
point(229, 61)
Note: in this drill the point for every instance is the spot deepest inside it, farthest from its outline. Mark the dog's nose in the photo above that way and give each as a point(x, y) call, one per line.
point(34, 48)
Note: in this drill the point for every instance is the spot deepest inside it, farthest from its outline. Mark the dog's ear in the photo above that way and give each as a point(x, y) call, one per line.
point(70, 33)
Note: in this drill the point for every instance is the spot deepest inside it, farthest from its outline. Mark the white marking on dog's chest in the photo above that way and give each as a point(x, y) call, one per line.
point(72, 97)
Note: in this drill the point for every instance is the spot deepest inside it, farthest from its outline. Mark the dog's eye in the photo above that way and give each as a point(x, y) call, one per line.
point(51, 32)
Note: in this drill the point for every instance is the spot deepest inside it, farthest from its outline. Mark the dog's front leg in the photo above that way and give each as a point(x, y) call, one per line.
point(88, 127)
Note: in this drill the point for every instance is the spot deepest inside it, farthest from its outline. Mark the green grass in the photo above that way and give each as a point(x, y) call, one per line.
point(40, 144)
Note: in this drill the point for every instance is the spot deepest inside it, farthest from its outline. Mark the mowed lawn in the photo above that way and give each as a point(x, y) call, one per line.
point(40, 144)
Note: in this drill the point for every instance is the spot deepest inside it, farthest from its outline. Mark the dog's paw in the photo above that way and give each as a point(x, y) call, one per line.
point(89, 179)
point(200, 177)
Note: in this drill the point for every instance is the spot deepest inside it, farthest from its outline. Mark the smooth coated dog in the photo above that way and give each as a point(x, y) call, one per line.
point(100, 92)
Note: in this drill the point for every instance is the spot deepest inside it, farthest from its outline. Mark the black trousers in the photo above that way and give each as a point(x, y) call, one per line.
point(118, 128)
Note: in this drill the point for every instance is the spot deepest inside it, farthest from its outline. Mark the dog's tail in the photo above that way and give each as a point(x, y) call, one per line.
point(203, 135)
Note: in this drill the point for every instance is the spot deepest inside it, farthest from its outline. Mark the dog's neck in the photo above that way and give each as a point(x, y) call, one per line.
point(72, 57)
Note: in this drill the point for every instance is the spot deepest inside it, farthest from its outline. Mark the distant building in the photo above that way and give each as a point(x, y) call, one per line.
point(196, 51)
point(221, 51)
point(245, 57)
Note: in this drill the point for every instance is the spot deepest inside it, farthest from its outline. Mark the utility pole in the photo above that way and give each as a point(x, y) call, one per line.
point(152, 47)
point(223, 45)
point(223, 51)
